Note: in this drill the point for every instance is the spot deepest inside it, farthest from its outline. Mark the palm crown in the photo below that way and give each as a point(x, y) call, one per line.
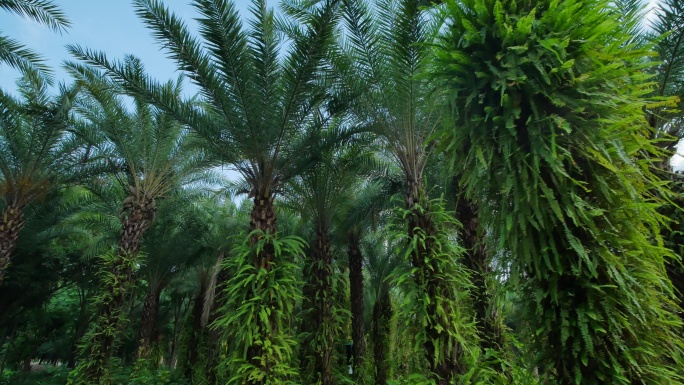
point(36, 152)
point(255, 100)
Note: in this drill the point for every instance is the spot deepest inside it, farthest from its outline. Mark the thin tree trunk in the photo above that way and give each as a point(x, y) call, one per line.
point(476, 259)
point(81, 328)
point(215, 335)
point(444, 365)
point(356, 299)
point(173, 350)
point(148, 333)
point(380, 329)
point(11, 223)
point(194, 342)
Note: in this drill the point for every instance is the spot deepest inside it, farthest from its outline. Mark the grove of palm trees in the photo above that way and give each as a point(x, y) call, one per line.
point(371, 192)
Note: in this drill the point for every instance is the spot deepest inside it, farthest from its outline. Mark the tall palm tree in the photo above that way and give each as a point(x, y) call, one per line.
point(219, 218)
point(36, 152)
point(152, 155)
point(172, 244)
point(380, 61)
point(477, 258)
point(256, 99)
point(550, 134)
point(43, 11)
point(381, 261)
point(320, 194)
point(365, 205)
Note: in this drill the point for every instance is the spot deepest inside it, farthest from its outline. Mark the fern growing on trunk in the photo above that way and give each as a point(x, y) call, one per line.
point(549, 129)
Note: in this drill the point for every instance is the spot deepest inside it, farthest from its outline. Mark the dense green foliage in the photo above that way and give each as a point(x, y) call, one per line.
point(360, 132)
point(559, 113)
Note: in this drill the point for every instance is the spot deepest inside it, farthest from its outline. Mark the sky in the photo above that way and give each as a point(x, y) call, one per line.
point(113, 27)
point(104, 25)
point(107, 25)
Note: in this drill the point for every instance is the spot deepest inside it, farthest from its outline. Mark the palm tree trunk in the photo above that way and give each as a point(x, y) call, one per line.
point(100, 344)
point(177, 328)
point(325, 324)
point(444, 365)
point(147, 335)
point(476, 259)
point(380, 329)
point(262, 218)
point(195, 337)
point(11, 223)
point(81, 328)
point(357, 303)
point(318, 307)
point(215, 335)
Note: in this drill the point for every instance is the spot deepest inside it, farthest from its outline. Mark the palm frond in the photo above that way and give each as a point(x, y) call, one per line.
point(43, 11)
point(19, 57)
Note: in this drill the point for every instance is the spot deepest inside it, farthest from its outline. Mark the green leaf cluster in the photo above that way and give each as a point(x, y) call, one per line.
point(550, 135)
point(261, 301)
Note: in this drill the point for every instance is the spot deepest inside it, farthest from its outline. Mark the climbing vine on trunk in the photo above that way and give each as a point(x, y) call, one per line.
point(261, 300)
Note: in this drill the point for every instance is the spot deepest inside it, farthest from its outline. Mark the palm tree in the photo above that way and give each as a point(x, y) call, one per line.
point(152, 155)
point(320, 194)
point(255, 103)
point(380, 62)
point(42, 11)
point(172, 244)
point(365, 205)
point(255, 99)
point(477, 259)
point(381, 261)
point(550, 135)
point(219, 218)
point(36, 152)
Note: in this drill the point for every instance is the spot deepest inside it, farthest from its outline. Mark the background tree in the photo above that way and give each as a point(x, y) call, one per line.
point(36, 152)
point(381, 60)
point(152, 155)
point(255, 102)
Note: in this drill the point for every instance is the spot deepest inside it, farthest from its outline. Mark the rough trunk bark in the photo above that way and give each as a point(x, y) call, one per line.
point(356, 299)
point(148, 333)
point(262, 218)
point(476, 259)
point(444, 365)
point(11, 223)
point(318, 307)
point(325, 325)
point(101, 346)
point(380, 329)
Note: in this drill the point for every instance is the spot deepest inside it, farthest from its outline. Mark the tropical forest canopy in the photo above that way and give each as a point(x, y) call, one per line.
point(458, 192)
